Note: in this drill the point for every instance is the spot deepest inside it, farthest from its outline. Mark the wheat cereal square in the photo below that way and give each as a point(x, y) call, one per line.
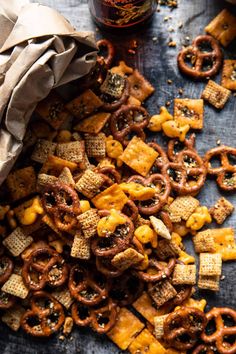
point(215, 94)
point(167, 249)
point(204, 241)
point(84, 105)
point(228, 79)
point(184, 274)
point(139, 156)
point(17, 242)
point(162, 292)
point(66, 177)
point(140, 88)
point(221, 210)
point(113, 85)
point(13, 316)
point(42, 149)
point(88, 221)
point(64, 297)
point(159, 326)
point(80, 247)
point(89, 183)
point(21, 183)
point(15, 286)
point(210, 264)
point(126, 329)
point(223, 27)
point(182, 207)
point(189, 111)
point(126, 259)
point(209, 282)
point(95, 145)
point(73, 151)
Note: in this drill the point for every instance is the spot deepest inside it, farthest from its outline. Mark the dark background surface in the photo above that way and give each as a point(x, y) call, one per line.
point(157, 62)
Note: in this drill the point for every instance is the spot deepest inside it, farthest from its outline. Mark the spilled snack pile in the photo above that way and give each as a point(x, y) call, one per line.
point(93, 215)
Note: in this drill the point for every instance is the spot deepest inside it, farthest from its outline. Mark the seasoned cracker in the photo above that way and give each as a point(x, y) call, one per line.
point(64, 297)
point(145, 343)
point(223, 27)
point(221, 210)
point(46, 219)
point(204, 241)
point(209, 282)
point(66, 177)
point(113, 85)
point(225, 243)
point(159, 326)
point(95, 145)
point(21, 183)
point(140, 88)
point(215, 94)
point(182, 207)
point(88, 221)
point(13, 316)
point(189, 111)
point(80, 247)
point(89, 184)
point(15, 286)
point(42, 150)
point(228, 79)
point(126, 259)
point(17, 242)
point(126, 328)
point(54, 165)
point(162, 292)
point(52, 110)
point(139, 156)
point(167, 249)
point(111, 198)
point(122, 69)
point(93, 124)
point(184, 274)
point(84, 105)
point(73, 151)
point(210, 264)
point(144, 306)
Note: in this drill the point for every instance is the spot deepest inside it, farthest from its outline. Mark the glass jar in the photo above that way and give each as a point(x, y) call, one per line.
point(112, 14)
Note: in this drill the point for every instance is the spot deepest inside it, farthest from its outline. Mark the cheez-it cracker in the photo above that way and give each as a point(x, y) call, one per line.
point(139, 156)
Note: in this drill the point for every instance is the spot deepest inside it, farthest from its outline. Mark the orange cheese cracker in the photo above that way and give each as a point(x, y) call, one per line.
point(139, 156)
point(126, 329)
point(146, 343)
point(93, 124)
point(111, 198)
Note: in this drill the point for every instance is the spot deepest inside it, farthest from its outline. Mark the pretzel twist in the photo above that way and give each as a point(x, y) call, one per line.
point(222, 330)
point(203, 349)
point(161, 271)
point(108, 59)
point(6, 268)
point(200, 57)
point(43, 309)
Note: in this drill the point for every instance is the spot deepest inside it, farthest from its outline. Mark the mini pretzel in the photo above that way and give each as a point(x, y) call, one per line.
point(222, 330)
point(6, 268)
point(105, 267)
point(175, 146)
point(126, 120)
point(222, 153)
point(130, 209)
point(161, 183)
point(162, 159)
point(116, 242)
point(101, 319)
point(199, 57)
point(161, 271)
point(203, 349)
point(110, 172)
point(6, 300)
point(126, 289)
point(62, 203)
point(187, 164)
point(44, 308)
point(53, 272)
point(183, 327)
point(165, 217)
point(114, 105)
point(183, 293)
point(107, 60)
point(88, 287)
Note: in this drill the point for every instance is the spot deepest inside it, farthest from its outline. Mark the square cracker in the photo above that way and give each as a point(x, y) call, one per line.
point(139, 156)
point(215, 94)
point(221, 210)
point(84, 105)
point(189, 111)
point(126, 328)
point(210, 264)
point(146, 343)
point(228, 79)
point(17, 241)
point(184, 274)
point(140, 88)
point(223, 27)
point(15, 286)
point(21, 183)
point(144, 305)
point(13, 316)
point(93, 124)
point(111, 198)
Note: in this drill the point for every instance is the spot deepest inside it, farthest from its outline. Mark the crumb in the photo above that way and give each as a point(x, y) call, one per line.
point(172, 44)
point(167, 103)
point(180, 91)
point(218, 142)
point(169, 82)
point(154, 39)
point(222, 277)
point(131, 51)
point(62, 337)
point(180, 25)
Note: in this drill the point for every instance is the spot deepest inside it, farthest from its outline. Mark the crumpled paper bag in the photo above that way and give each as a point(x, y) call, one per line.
point(39, 50)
